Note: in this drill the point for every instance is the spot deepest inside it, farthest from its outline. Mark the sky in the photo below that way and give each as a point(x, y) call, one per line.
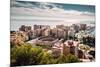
point(45, 13)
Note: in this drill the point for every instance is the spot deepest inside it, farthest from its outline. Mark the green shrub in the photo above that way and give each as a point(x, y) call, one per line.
point(25, 55)
point(71, 58)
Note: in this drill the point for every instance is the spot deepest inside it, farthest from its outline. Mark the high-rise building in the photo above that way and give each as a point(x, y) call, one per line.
point(73, 46)
point(25, 28)
point(59, 33)
point(83, 26)
point(22, 28)
point(30, 35)
point(76, 27)
point(71, 32)
point(65, 49)
point(37, 27)
point(38, 32)
point(41, 27)
point(60, 26)
point(47, 32)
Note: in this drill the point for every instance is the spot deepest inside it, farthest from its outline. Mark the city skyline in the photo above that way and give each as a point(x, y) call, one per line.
point(51, 33)
point(31, 13)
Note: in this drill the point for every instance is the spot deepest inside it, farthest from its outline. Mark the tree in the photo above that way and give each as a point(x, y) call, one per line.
point(92, 52)
point(25, 55)
point(89, 41)
point(47, 58)
point(45, 46)
point(61, 59)
point(71, 58)
point(37, 55)
point(28, 55)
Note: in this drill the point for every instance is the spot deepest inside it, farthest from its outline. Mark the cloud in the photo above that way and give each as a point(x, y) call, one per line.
point(40, 13)
point(47, 12)
point(15, 3)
